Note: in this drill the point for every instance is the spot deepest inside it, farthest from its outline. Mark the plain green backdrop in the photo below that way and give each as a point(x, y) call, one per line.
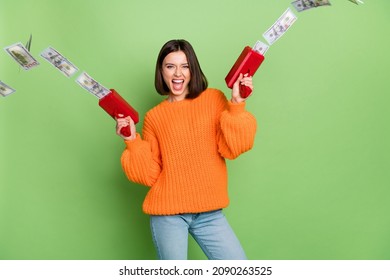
point(315, 185)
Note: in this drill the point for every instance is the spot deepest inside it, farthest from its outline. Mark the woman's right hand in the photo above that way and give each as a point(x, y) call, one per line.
point(122, 122)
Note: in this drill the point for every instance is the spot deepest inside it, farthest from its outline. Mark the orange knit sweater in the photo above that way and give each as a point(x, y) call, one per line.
point(183, 150)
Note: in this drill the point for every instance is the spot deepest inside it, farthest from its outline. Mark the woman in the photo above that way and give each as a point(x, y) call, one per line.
point(181, 156)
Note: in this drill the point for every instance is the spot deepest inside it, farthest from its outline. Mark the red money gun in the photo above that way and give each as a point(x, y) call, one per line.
point(115, 105)
point(247, 63)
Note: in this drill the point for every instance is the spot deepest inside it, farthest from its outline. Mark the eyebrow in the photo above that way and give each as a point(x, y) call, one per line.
point(170, 63)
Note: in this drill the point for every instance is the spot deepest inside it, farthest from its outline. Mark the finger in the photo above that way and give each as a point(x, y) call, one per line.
point(132, 128)
point(118, 130)
point(247, 81)
point(119, 116)
point(238, 81)
point(247, 78)
point(121, 122)
point(129, 120)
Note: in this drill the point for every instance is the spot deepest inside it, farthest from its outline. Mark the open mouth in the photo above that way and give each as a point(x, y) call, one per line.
point(177, 84)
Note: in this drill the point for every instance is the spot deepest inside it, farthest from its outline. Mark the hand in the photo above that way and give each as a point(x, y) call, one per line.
point(122, 122)
point(242, 80)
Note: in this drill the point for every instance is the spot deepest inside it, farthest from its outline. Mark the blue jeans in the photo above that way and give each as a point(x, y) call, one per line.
point(210, 230)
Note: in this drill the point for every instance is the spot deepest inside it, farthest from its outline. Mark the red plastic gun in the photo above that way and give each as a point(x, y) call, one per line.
point(247, 63)
point(115, 105)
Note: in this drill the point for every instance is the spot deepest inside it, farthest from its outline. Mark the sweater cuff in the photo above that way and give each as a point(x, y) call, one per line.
point(131, 143)
point(236, 108)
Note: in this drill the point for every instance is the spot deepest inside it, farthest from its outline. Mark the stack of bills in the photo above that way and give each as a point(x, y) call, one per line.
point(23, 57)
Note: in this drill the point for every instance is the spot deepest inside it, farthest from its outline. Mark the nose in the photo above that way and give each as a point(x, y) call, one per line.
point(177, 72)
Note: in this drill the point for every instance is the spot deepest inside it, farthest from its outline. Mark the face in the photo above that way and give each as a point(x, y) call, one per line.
point(176, 74)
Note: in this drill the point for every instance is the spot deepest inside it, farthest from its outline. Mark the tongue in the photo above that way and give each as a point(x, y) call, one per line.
point(177, 86)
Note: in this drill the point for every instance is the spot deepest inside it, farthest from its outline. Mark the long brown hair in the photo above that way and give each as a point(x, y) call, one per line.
point(198, 82)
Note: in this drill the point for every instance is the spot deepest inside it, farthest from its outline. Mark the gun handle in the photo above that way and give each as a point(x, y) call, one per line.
point(245, 91)
point(125, 131)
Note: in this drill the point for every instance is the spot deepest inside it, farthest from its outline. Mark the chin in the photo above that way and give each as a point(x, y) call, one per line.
point(176, 93)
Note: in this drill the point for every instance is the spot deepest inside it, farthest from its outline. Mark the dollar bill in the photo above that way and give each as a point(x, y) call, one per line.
point(22, 56)
point(260, 47)
point(302, 5)
point(5, 89)
point(280, 27)
point(89, 84)
point(357, 2)
point(59, 61)
point(322, 3)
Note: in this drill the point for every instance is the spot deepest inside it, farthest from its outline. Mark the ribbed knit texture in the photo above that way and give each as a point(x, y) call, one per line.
point(183, 150)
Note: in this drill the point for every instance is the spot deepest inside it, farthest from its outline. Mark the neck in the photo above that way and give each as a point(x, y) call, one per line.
point(173, 98)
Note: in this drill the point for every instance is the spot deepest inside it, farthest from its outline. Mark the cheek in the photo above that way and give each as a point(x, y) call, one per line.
point(187, 73)
point(166, 77)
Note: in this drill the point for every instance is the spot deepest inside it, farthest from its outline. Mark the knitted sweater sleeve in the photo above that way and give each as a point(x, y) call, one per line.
point(237, 130)
point(141, 159)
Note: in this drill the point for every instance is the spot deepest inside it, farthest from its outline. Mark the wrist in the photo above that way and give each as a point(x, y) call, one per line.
point(130, 138)
point(235, 100)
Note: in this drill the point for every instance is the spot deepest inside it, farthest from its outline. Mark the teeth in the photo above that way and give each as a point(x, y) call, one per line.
point(178, 81)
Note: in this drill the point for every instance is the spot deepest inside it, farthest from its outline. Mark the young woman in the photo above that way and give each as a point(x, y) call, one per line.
point(181, 156)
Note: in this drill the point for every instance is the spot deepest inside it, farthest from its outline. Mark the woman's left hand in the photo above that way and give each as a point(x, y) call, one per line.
point(242, 80)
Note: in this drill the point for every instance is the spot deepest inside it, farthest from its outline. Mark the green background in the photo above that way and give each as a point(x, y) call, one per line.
point(315, 185)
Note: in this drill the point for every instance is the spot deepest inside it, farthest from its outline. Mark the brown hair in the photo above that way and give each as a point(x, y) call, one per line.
point(198, 82)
